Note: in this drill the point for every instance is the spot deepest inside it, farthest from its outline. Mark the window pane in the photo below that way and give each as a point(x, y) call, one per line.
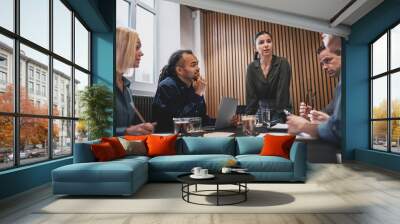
point(34, 74)
point(35, 21)
point(379, 55)
point(7, 14)
point(81, 81)
point(123, 13)
point(395, 95)
point(379, 135)
point(379, 97)
point(81, 131)
point(395, 138)
point(395, 47)
point(62, 29)
point(6, 142)
point(81, 45)
point(62, 141)
point(145, 28)
point(6, 74)
point(148, 2)
point(33, 139)
point(62, 89)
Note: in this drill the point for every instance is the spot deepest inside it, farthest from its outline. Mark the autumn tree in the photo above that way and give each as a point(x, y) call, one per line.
point(380, 127)
point(33, 131)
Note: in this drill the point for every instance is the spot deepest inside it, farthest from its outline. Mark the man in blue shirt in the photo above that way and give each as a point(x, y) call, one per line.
point(180, 92)
point(325, 126)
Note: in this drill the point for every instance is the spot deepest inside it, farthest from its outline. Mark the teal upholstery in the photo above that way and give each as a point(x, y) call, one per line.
point(199, 145)
point(125, 176)
point(257, 163)
point(119, 177)
point(83, 152)
point(249, 145)
point(185, 163)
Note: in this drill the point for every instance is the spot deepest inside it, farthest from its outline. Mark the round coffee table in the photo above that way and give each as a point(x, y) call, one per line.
point(238, 179)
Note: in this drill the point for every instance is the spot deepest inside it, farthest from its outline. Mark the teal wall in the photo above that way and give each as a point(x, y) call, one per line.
point(99, 16)
point(356, 85)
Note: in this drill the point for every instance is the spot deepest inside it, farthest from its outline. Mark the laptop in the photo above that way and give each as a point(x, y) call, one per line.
point(227, 109)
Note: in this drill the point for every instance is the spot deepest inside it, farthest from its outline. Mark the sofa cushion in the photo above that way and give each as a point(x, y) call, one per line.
point(136, 137)
point(249, 145)
point(160, 145)
point(257, 163)
point(210, 145)
point(112, 171)
point(83, 152)
point(116, 145)
point(185, 163)
point(277, 145)
point(103, 152)
point(134, 147)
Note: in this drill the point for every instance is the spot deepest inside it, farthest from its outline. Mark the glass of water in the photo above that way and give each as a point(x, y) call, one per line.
point(195, 124)
point(181, 126)
point(248, 124)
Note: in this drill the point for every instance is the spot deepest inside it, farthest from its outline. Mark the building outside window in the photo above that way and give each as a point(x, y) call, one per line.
point(55, 128)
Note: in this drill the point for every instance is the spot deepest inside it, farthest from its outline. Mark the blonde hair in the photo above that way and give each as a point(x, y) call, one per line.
point(126, 41)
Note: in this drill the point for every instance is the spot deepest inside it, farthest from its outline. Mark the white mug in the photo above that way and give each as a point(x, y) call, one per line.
point(226, 170)
point(196, 171)
point(203, 172)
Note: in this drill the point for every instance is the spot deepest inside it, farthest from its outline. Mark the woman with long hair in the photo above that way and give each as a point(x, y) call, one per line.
point(267, 80)
point(128, 55)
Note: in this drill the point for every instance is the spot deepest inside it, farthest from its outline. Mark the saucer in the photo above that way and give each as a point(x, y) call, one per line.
point(208, 176)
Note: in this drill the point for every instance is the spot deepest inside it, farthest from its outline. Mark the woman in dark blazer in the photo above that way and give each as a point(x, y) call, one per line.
point(267, 80)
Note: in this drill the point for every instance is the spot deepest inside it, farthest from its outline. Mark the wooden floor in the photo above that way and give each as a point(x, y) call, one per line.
point(379, 189)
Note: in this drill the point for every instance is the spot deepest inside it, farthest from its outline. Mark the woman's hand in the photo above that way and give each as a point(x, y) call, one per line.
point(140, 129)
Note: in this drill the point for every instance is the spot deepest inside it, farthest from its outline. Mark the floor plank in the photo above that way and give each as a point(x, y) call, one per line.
point(353, 182)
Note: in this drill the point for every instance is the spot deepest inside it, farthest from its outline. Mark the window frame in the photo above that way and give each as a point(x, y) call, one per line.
point(142, 88)
point(16, 115)
point(388, 74)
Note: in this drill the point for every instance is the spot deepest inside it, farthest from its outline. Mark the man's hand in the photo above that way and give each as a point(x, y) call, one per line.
point(318, 117)
point(199, 86)
point(141, 129)
point(296, 124)
point(304, 110)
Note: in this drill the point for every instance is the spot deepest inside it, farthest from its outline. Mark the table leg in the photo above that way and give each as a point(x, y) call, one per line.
point(245, 192)
point(196, 188)
point(217, 194)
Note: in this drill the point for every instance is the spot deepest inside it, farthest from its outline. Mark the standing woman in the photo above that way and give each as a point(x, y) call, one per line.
point(267, 80)
point(129, 54)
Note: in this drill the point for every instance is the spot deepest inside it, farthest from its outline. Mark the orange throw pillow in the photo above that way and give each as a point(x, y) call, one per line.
point(159, 145)
point(136, 137)
point(116, 145)
point(103, 152)
point(277, 145)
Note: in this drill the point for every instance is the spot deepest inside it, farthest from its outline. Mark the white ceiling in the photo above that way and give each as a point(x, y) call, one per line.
point(312, 15)
point(317, 9)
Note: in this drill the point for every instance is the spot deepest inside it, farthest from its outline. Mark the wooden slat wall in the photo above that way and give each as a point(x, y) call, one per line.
point(229, 48)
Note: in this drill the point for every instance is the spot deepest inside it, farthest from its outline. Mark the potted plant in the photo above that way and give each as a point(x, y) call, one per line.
point(96, 102)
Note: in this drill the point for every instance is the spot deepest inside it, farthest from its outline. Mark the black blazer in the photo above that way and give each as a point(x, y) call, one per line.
point(274, 88)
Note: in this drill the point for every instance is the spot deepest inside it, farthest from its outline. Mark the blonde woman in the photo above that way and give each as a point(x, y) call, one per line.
point(129, 54)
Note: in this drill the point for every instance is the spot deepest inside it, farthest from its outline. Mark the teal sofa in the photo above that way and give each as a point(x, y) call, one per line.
point(125, 176)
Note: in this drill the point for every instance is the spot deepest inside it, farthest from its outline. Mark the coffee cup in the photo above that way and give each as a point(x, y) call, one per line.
point(226, 170)
point(203, 172)
point(196, 171)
